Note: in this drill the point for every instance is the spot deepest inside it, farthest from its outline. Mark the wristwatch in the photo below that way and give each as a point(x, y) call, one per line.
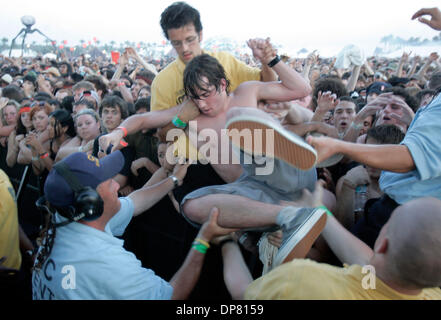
point(175, 180)
point(273, 62)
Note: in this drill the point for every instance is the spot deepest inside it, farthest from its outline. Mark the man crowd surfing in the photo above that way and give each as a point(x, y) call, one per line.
point(210, 176)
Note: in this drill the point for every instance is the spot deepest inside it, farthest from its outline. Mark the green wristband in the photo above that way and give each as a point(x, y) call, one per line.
point(179, 123)
point(200, 247)
point(327, 211)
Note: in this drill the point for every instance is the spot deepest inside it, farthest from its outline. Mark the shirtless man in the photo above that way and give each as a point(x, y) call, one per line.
point(251, 201)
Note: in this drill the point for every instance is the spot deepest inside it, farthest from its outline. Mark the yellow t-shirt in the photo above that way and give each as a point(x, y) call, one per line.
point(9, 237)
point(309, 280)
point(168, 87)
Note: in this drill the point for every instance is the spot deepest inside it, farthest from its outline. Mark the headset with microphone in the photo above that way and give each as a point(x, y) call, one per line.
point(88, 204)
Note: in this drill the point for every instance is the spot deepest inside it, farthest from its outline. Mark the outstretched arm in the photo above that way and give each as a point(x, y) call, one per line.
point(348, 248)
point(187, 276)
point(394, 158)
point(144, 198)
point(237, 276)
point(135, 123)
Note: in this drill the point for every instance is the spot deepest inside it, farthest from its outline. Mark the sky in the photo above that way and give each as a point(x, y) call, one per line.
point(292, 24)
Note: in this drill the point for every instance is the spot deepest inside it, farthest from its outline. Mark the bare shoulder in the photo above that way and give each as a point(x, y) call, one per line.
point(245, 95)
point(74, 142)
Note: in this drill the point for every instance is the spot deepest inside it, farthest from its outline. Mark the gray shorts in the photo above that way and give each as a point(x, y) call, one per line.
point(286, 183)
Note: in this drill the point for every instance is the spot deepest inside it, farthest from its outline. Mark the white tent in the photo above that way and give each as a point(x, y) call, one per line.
point(50, 56)
point(16, 53)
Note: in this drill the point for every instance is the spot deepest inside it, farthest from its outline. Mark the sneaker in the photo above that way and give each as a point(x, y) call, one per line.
point(301, 227)
point(288, 146)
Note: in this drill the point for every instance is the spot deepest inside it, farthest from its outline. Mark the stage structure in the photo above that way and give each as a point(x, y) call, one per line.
point(28, 21)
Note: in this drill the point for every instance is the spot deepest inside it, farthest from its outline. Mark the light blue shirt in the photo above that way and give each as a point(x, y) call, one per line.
point(88, 264)
point(424, 142)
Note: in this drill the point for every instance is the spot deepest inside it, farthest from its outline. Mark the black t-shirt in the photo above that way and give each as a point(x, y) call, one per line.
point(198, 176)
point(127, 152)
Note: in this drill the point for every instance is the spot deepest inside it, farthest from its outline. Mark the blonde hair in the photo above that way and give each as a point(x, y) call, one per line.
point(89, 112)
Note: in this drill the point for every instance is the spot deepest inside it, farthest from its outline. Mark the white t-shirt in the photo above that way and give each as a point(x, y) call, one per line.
point(88, 264)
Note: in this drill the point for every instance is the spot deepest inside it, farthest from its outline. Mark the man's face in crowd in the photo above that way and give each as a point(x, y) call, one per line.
point(63, 69)
point(28, 86)
point(385, 115)
point(210, 101)
point(144, 93)
point(344, 115)
point(10, 114)
point(111, 117)
point(137, 85)
point(426, 99)
point(367, 124)
point(186, 41)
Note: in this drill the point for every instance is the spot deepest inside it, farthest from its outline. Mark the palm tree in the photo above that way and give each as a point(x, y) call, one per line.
point(112, 44)
point(5, 42)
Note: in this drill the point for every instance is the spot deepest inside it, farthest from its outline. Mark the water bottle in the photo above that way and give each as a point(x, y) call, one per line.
point(360, 198)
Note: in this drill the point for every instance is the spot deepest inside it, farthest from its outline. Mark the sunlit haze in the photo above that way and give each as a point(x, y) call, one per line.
point(324, 25)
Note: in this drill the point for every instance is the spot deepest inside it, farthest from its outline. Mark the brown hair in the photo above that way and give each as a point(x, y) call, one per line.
point(41, 106)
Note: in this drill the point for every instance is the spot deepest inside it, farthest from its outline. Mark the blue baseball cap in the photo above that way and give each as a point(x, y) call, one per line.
point(89, 171)
point(377, 87)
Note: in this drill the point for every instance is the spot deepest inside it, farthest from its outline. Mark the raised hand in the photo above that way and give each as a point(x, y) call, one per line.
point(138, 164)
point(312, 58)
point(405, 56)
point(262, 49)
point(373, 107)
point(327, 101)
point(115, 138)
point(408, 113)
point(435, 15)
point(433, 56)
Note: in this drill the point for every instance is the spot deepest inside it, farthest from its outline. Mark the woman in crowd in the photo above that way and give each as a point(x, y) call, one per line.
point(113, 110)
point(60, 131)
point(9, 110)
point(24, 127)
point(87, 123)
point(39, 115)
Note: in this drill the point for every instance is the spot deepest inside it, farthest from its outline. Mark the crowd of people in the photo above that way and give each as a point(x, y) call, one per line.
point(99, 173)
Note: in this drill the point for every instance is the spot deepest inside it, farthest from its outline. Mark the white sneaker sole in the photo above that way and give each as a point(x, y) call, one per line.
point(301, 241)
point(287, 146)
